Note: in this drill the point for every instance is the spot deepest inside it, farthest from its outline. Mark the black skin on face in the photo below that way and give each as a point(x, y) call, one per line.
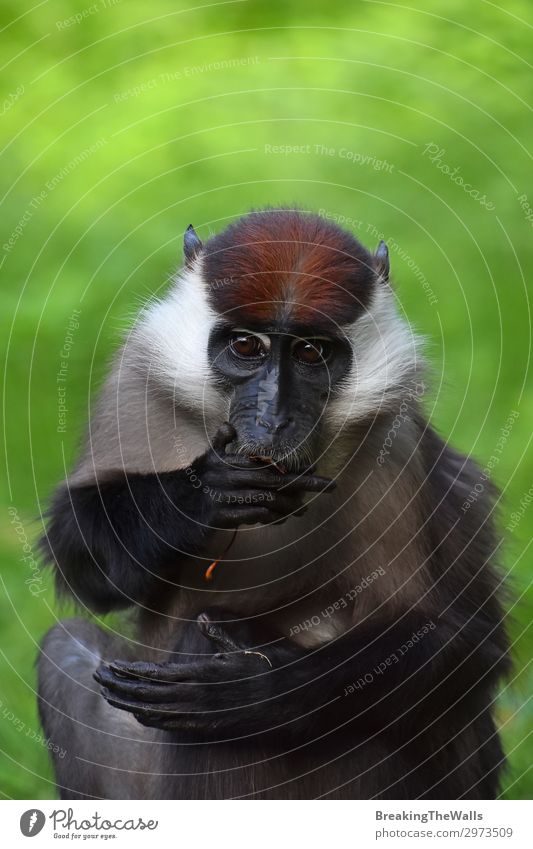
point(280, 379)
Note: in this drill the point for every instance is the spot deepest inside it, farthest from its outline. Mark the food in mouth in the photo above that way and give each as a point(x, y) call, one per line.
point(260, 458)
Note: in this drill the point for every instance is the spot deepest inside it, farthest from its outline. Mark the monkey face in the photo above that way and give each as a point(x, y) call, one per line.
point(279, 383)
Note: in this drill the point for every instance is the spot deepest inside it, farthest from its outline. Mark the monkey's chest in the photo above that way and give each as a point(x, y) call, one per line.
point(283, 606)
point(265, 576)
point(307, 622)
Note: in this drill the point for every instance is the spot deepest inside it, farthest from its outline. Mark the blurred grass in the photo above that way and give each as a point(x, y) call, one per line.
point(120, 130)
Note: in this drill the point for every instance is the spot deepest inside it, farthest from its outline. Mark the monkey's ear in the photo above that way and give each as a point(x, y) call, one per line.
point(191, 245)
point(381, 259)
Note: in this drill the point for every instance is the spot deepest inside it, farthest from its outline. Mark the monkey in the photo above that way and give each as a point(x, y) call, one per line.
point(304, 608)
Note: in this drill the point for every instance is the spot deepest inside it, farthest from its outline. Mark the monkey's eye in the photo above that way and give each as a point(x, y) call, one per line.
point(245, 345)
point(312, 351)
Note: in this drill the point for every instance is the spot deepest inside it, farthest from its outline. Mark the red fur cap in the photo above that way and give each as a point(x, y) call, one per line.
point(285, 265)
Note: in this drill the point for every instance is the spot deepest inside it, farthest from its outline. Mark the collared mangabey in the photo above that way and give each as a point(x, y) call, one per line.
point(266, 414)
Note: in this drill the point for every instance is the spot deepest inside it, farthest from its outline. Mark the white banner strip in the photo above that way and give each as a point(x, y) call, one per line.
point(268, 825)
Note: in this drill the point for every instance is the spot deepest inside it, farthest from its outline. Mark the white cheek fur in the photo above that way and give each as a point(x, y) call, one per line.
point(174, 333)
point(387, 357)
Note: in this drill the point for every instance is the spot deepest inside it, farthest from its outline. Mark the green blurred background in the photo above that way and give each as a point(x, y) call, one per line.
point(120, 127)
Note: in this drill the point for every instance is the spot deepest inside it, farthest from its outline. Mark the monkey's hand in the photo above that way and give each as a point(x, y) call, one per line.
point(286, 692)
point(226, 695)
point(241, 492)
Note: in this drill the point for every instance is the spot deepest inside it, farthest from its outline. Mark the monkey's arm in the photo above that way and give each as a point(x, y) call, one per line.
point(287, 690)
point(113, 541)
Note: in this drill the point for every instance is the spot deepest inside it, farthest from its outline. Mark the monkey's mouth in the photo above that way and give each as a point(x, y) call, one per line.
point(288, 456)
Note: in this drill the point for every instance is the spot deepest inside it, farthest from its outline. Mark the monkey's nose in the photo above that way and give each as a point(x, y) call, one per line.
point(281, 425)
point(276, 425)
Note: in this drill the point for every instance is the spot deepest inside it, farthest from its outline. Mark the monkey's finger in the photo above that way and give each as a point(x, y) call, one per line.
point(217, 633)
point(237, 635)
point(281, 484)
point(227, 518)
point(268, 476)
point(148, 711)
point(243, 461)
point(124, 704)
point(183, 721)
point(140, 689)
point(138, 669)
point(277, 510)
point(164, 672)
point(266, 479)
point(224, 435)
point(309, 483)
point(156, 715)
point(242, 500)
point(240, 478)
point(156, 721)
point(153, 693)
point(272, 470)
point(254, 478)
